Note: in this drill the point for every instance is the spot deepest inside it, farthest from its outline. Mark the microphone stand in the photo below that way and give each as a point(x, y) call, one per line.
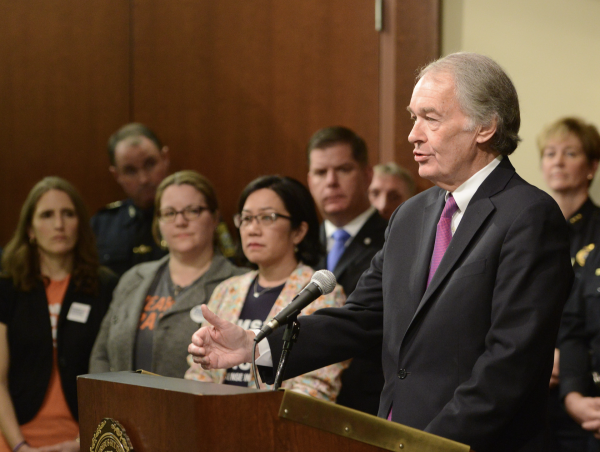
point(290, 335)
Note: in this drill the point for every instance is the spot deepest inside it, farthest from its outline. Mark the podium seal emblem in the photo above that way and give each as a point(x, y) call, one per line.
point(110, 436)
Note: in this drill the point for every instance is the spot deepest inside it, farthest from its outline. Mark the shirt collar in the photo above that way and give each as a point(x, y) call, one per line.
point(463, 194)
point(353, 226)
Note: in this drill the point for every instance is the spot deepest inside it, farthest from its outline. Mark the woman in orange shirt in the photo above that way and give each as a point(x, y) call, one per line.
point(53, 296)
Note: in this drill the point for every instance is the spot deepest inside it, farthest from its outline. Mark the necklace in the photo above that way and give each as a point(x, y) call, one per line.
point(255, 291)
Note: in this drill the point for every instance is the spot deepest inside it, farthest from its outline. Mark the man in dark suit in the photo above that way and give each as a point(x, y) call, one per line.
point(465, 298)
point(352, 232)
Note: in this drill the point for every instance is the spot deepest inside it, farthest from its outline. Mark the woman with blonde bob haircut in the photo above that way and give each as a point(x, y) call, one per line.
point(53, 297)
point(156, 306)
point(569, 151)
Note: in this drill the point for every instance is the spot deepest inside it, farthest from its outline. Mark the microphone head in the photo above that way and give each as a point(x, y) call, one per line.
point(325, 280)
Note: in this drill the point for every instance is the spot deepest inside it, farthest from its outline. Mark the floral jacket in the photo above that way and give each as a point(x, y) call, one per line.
point(227, 301)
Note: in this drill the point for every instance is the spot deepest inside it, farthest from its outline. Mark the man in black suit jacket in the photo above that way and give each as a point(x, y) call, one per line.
point(468, 355)
point(339, 177)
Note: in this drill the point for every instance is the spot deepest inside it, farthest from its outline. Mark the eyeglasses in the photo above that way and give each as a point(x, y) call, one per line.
point(189, 213)
point(263, 219)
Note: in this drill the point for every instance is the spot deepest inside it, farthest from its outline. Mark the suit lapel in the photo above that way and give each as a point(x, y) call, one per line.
point(479, 209)
point(357, 247)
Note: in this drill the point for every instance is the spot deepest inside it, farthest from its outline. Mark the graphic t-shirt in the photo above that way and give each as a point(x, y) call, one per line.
point(162, 295)
point(254, 313)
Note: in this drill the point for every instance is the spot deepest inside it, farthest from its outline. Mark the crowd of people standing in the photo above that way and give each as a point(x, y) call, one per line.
point(128, 288)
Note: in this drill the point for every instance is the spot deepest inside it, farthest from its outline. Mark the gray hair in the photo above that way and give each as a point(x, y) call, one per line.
point(393, 169)
point(484, 93)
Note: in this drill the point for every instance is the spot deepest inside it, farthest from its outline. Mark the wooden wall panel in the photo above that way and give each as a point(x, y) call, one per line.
point(234, 87)
point(237, 88)
point(64, 85)
point(410, 40)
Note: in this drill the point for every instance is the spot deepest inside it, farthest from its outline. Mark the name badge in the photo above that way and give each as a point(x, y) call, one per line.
point(79, 312)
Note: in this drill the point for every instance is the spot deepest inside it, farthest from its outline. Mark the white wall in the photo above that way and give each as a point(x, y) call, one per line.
point(550, 49)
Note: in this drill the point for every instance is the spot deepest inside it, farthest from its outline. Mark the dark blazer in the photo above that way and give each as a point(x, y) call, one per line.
point(469, 357)
point(362, 381)
point(30, 342)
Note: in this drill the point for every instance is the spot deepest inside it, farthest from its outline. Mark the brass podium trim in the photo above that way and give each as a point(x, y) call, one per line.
point(362, 427)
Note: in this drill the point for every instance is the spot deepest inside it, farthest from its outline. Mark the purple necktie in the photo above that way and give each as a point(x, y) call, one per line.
point(443, 236)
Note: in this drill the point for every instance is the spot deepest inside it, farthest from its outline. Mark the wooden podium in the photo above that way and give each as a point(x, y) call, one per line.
point(168, 414)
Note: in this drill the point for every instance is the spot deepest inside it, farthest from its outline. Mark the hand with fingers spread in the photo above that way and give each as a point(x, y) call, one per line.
point(222, 344)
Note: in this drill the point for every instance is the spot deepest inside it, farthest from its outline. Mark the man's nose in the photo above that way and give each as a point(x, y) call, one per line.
point(379, 203)
point(143, 176)
point(416, 135)
point(331, 178)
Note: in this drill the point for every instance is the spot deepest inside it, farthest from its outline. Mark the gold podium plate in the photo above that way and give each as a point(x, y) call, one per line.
point(110, 436)
point(362, 427)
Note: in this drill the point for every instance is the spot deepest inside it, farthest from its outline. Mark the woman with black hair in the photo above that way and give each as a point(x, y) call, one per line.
point(279, 232)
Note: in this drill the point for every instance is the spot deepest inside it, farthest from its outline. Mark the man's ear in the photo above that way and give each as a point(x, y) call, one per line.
point(486, 132)
point(164, 152)
point(113, 170)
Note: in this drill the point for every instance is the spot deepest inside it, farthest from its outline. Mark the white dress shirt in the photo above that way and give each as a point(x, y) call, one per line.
point(352, 228)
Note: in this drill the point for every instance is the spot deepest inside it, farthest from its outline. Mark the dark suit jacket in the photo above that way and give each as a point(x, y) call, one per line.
point(357, 256)
point(362, 381)
point(468, 358)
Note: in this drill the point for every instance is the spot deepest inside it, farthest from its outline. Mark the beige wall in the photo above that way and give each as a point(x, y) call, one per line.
point(551, 50)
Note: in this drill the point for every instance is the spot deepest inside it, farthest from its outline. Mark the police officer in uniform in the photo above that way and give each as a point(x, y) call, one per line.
point(139, 162)
point(570, 151)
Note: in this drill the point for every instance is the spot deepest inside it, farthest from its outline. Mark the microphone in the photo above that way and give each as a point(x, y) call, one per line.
point(321, 283)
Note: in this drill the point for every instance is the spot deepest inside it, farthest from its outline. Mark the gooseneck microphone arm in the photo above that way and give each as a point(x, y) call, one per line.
point(322, 283)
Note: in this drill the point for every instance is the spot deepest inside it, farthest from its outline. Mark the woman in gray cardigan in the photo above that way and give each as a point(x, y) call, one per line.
point(156, 305)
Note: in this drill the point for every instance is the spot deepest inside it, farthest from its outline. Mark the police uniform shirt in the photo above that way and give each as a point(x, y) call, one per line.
point(124, 236)
point(584, 233)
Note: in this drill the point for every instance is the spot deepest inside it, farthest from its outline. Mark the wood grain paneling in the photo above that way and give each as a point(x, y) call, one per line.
point(410, 40)
point(237, 88)
point(64, 84)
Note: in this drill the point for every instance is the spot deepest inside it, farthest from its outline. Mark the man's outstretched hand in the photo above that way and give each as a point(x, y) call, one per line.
point(222, 344)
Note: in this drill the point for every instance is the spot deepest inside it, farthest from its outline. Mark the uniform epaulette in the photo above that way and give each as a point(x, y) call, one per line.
point(114, 205)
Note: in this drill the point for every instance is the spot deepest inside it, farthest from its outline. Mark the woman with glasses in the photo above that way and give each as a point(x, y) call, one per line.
point(156, 306)
point(53, 296)
point(279, 233)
